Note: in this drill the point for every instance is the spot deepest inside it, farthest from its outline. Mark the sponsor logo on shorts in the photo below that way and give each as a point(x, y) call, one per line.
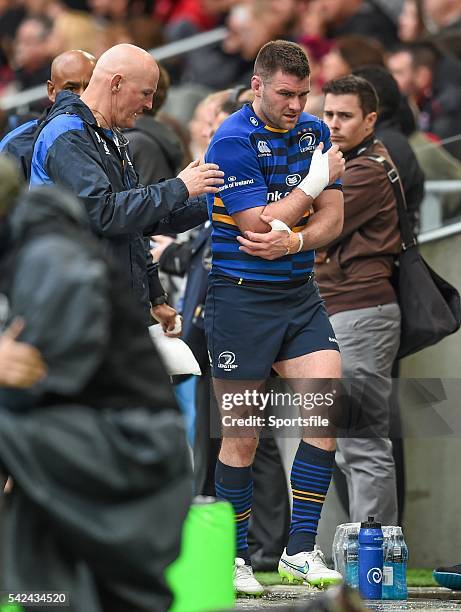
point(333, 340)
point(226, 361)
point(307, 142)
point(263, 148)
point(293, 179)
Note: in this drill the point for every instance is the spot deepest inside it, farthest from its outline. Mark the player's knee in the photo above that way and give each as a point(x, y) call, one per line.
point(239, 450)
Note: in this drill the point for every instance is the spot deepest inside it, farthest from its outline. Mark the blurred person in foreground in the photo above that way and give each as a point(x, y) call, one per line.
point(80, 146)
point(21, 365)
point(70, 71)
point(96, 447)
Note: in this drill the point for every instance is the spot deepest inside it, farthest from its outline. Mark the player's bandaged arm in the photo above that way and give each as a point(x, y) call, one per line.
point(325, 224)
point(324, 169)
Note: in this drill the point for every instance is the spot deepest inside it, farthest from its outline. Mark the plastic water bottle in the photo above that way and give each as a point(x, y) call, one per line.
point(388, 567)
point(370, 559)
point(400, 567)
point(352, 560)
point(339, 546)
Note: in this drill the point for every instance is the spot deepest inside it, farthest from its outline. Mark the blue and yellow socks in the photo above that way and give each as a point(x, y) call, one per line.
point(310, 479)
point(235, 485)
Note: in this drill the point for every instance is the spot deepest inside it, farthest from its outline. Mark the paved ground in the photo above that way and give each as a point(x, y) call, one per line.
point(421, 599)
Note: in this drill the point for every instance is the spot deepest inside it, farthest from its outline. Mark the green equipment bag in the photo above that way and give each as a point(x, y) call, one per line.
point(201, 578)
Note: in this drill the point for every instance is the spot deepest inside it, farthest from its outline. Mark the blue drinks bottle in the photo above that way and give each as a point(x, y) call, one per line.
point(371, 559)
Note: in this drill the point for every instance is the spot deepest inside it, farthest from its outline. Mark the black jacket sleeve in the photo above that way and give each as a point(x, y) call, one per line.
point(183, 218)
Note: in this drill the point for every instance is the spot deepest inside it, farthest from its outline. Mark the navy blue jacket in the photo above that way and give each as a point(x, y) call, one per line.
point(73, 151)
point(19, 144)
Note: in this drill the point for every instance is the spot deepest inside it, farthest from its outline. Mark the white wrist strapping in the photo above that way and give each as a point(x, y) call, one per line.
point(319, 175)
point(301, 241)
point(281, 226)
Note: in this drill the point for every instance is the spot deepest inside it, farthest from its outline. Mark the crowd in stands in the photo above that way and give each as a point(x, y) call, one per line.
point(418, 40)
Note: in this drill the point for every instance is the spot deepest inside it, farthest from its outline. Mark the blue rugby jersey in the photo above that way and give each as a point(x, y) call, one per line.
point(261, 165)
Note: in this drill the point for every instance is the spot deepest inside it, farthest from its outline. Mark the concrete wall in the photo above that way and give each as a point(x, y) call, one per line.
point(433, 465)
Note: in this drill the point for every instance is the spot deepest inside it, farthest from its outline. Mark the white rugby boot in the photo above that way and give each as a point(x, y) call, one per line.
point(244, 581)
point(307, 567)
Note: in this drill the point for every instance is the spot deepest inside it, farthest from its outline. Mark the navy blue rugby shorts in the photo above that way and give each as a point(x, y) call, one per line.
point(250, 327)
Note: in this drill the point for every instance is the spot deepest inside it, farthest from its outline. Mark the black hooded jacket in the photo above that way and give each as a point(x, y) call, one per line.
point(97, 449)
point(88, 329)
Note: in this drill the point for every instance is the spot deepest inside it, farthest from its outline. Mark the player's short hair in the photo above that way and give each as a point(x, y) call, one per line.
point(355, 85)
point(282, 55)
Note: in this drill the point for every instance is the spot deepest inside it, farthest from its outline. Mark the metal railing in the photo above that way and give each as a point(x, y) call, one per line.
point(22, 100)
point(433, 222)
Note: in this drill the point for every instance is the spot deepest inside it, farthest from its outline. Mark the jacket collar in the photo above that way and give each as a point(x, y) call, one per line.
point(360, 148)
point(70, 103)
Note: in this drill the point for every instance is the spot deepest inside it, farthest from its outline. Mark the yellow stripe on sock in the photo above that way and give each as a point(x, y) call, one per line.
point(318, 501)
point(243, 515)
point(309, 493)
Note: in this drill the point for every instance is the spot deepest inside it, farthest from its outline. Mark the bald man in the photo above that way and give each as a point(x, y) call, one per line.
point(80, 146)
point(70, 71)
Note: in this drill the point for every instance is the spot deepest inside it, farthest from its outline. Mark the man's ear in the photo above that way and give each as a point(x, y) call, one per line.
point(256, 85)
point(370, 121)
point(115, 83)
point(51, 91)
